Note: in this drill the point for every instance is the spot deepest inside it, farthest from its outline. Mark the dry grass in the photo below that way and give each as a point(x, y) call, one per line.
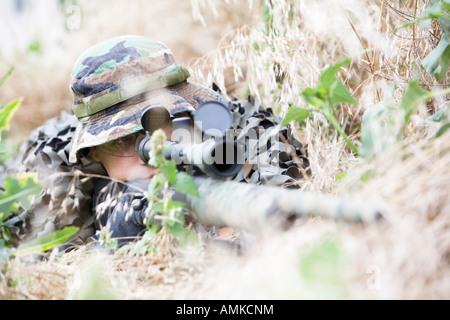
point(404, 257)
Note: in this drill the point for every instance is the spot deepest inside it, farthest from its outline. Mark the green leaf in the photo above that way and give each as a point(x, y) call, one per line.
point(442, 116)
point(46, 242)
point(328, 92)
point(173, 209)
point(436, 10)
point(158, 206)
point(381, 125)
point(329, 75)
point(438, 60)
point(329, 88)
point(439, 115)
point(444, 21)
point(183, 236)
point(7, 112)
point(157, 160)
point(18, 192)
point(156, 183)
point(6, 76)
point(413, 97)
point(295, 114)
point(340, 94)
point(340, 175)
point(178, 231)
point(313, 97)
point(433, 11)
point(322, 268)
point(336, 90)
point(35, 46)
point(5, 254)
point(443, 129)
point(169, 169)
point(368, 175)
point(185, 184)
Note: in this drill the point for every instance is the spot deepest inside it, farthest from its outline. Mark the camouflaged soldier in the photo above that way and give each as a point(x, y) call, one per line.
point(112, 84)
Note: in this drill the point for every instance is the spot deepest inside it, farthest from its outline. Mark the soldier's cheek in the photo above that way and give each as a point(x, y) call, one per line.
point(141, 172)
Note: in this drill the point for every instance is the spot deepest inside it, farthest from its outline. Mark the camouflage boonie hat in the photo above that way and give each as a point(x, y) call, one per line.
point(115, 80)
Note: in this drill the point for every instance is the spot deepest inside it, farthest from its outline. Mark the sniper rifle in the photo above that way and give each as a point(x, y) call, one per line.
point(204, 144)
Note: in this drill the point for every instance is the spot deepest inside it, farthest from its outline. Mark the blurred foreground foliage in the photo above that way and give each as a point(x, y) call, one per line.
point(16, 193)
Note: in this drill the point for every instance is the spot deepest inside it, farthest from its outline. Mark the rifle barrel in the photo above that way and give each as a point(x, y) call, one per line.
point(253, 207)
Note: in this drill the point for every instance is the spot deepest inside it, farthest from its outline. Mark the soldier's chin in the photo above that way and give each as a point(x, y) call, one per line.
point(143, 173)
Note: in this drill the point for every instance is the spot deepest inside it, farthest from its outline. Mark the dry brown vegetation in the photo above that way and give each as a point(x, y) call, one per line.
point(407, 256)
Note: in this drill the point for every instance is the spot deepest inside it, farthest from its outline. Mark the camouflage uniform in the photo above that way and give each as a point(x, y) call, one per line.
point(112, 83)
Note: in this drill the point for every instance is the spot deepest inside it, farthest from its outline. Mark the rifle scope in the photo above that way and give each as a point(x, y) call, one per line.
point(202, 143)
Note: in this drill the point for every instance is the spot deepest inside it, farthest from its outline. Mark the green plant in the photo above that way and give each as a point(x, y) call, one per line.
point(328, 92)
point(15, 191)
point(384, 124)
point(322, 269)
point(443, 117)
point(158, 194)
point(438, 60)
point(46, 242)
point(18, 192)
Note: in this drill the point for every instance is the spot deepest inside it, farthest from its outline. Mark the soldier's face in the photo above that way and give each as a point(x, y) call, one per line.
point(121, 158)
point(124, 168)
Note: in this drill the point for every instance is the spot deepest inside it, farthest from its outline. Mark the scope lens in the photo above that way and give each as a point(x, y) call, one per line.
point(213, 118)
point(226, 164)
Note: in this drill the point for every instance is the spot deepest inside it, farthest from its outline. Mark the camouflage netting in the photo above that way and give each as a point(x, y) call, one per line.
point(66, 199)
point(67, 189)
point(281, 162)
